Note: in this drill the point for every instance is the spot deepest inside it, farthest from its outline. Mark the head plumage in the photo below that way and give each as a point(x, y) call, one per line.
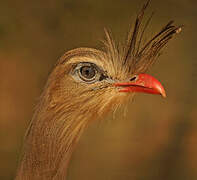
point(134, 56)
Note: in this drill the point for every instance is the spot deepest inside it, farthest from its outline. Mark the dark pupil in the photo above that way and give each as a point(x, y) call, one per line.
point(87, 72)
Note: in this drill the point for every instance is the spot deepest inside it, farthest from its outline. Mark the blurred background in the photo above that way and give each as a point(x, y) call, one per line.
point(153, 139)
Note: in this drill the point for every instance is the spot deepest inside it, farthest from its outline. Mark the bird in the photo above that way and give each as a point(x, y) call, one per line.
point(85, 85)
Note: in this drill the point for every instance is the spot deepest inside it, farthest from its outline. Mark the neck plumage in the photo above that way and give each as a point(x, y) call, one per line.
point(50, 139)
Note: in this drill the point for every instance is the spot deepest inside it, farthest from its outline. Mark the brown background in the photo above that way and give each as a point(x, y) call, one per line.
point(156, 139)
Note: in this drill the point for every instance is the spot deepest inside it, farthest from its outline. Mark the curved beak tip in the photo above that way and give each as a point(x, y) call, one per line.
point(163, 93)
point(158, 88)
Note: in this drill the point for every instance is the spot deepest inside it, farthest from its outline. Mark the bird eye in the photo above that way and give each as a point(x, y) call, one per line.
point(87, 73)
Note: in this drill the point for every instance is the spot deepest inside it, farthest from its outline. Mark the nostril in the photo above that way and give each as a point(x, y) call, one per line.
point(133, 78)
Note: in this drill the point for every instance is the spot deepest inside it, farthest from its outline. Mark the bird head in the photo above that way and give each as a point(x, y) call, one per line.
point(92, 76)
point(96, 81)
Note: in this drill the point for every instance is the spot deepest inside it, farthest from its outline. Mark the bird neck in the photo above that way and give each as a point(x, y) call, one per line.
point(50, 140)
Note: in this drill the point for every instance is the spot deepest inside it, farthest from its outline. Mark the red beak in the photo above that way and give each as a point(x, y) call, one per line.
point(144, 83)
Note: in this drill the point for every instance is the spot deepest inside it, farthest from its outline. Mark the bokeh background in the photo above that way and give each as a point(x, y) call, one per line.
point(153, 139)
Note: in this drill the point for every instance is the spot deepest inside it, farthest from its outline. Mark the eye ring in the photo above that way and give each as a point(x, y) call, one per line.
point(87, 73)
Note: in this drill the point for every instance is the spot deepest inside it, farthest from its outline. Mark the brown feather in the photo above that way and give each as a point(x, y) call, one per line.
point(67, 106)
point(134, 57)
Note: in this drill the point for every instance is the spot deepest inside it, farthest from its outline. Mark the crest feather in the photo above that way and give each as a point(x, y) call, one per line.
point(135, 57)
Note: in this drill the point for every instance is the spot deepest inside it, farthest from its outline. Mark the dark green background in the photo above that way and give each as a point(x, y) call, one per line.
point(153, 139)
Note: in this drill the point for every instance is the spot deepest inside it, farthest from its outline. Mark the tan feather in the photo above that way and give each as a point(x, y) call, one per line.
point(68, 105)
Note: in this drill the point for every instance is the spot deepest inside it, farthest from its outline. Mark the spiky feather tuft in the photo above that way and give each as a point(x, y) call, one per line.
point(135, 57)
